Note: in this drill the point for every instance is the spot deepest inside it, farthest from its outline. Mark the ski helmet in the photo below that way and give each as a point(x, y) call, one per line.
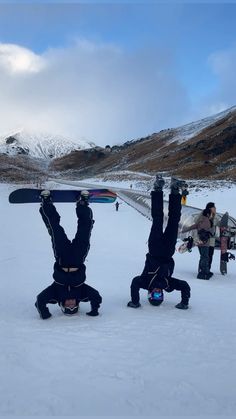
point(156, 296)
point(69, 308)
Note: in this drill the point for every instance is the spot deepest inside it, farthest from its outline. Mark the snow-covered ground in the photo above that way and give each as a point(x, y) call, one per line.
point(146, 362)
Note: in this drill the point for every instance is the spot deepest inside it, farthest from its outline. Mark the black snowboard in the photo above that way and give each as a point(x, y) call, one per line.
point(23, 196)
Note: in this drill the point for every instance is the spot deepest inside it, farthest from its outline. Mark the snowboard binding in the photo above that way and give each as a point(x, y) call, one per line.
point(226, 257)
point(45, 196)
point(159, 183)
point(187, 245)
point(83, 198)
point(177, 184)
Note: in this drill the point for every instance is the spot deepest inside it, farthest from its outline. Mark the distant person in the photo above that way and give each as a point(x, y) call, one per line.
point(117, 204)
point(131, 186)
point(185, 193)
point(159, 265)
point(68, 288)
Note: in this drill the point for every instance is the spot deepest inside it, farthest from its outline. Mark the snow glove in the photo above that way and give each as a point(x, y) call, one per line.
point(44, 314)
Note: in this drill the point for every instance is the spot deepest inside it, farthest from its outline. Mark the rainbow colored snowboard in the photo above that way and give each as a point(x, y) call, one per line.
point(27, 196)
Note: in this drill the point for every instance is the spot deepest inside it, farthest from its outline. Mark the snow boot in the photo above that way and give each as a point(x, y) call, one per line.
point(83, 198)
point(132, 305)
point(202, 275)
point(159, 183)
point(182, 306)
point(46, 196)
point(177, 184)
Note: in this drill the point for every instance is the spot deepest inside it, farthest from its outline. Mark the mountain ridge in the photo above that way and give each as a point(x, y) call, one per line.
point(186, 151)
point(201, 149)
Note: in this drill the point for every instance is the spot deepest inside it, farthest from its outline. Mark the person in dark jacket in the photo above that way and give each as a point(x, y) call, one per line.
point(159, 265)
point(68, 288)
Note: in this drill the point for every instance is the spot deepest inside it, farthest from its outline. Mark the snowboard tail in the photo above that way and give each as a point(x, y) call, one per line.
point(27, 196)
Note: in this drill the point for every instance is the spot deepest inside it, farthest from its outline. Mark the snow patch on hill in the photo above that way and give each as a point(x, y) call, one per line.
point(188, 131)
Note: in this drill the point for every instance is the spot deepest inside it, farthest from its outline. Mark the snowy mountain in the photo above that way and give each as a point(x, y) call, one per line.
point(201, 149)
point(39, 145)
point(197, 150)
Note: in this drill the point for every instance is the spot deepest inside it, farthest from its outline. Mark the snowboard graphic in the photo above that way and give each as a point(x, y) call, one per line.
point(25, 196)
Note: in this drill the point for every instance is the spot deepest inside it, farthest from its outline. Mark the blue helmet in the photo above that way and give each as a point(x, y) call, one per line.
point(156, 296)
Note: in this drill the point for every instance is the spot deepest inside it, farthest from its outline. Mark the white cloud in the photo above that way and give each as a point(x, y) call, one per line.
point(15, 59)
point(222, 64)
point(88, 90)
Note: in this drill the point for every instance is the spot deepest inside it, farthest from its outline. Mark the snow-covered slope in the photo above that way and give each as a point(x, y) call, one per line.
point(39, 145)
point(150, 362)
point(188, 131)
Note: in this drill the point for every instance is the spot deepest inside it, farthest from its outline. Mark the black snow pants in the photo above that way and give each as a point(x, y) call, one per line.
point(69, 254)
point(204, 262)
point(162, 244)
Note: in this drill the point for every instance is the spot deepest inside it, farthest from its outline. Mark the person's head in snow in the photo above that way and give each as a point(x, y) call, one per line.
point(159, 265)
point(156, 296)
point(70, 306)
point(68, 288)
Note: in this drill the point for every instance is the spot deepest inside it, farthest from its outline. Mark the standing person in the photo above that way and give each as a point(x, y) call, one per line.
point(184, 194)
point(117, 205)
point(68, 288)
point(212, 240)
point(203, 226)
point(159, 265)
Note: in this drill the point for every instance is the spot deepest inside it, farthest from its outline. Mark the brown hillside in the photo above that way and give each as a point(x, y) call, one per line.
point(21, 169)
point(210, 153)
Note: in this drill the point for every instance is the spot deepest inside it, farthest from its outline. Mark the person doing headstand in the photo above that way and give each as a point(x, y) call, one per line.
point(68, 288)
point(159, 265)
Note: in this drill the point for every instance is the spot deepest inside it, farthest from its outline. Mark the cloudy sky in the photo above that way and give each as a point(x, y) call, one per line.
point(112, 72)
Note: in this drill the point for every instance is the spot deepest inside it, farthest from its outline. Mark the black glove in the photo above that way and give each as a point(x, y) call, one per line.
point(45, 313)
